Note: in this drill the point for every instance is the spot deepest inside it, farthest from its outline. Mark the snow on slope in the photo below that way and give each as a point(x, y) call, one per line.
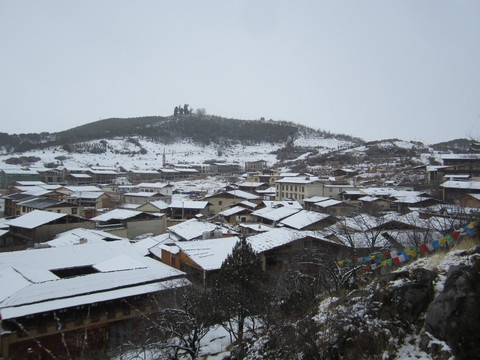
point(121, 152)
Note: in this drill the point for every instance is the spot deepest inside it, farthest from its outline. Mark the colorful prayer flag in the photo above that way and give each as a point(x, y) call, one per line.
point(436, 244)
point(424, 248)
point(455, 235)
point(396, 260)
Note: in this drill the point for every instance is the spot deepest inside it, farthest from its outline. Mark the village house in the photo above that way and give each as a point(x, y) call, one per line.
point(254, 228)
point(199, 259)
point(307, 220)
point(267, 177)
point(68, 190)
point(143, 197)
point(236, 214)
point(255, 166)
point(278, 248)
point(50, 175)
point(273, 215)
point(156, 187)
point(298, 188)
point(188, 209)
point(252, 186)
point(333, 207)
point(135, 176)
point(11, 201)
point(39, 226)
point(79, 236)
point(47, 204)
point(9, 176)
point(63, 302)
point(452, 190)
point(224, 200)
point(158, 206)
point(370, 203)
point(90, 199)
point(470, 201)
point(130, 223)
point(102, 176)
point(195, 229)
point(78, 179)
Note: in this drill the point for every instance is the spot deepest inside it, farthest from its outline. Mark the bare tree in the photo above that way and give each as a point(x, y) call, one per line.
point(177, 331)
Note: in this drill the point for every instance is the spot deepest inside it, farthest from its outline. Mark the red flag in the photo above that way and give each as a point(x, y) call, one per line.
point(455, 235)
point(396, 261)
point(424, 248)
point(387, 255)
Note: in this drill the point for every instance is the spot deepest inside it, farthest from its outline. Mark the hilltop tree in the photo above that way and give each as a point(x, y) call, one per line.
point(239, 288)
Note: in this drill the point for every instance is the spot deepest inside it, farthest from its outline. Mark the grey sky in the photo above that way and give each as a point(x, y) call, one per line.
point(373, 69)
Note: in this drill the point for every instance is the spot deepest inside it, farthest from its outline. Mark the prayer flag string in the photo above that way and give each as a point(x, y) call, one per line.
point(395, 257)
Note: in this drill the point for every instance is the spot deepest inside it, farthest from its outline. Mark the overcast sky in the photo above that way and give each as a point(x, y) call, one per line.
point(372, 69)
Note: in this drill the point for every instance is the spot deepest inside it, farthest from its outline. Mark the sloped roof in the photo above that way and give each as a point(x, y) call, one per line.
point(274, 238)
point(275, 214)
point(144, 194)
point(328, 203)
point(117, 214)
point(467, 185)
point(188, 204)
point(87, 194)
point(34, 219)
point(42, 203)
point(303, 219)
point(192, 229)
point(30, 286)
point(208, 254)
point(234, 210)
point(81, 236)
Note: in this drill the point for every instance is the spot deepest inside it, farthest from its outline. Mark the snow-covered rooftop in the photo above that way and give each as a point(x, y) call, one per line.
point(243, 194)
point(304, 218)
point(274, 238)
point(275, 214)
point(232, 211)
point(82, 236)
point(188, 204)
point(117, 214)
point(34, 219)
point(31, 282)
point(192, 229)
point(208, 254)
point(452, 184)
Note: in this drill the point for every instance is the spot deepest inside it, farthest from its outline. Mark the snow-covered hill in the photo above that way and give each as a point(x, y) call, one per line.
point(136, 153)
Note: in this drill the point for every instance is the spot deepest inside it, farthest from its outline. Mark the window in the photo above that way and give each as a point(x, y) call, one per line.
point(74, 211)
point(220, 202)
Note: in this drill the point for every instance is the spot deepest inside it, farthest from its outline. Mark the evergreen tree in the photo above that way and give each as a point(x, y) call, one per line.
point(175, 112)
point(239, 288)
